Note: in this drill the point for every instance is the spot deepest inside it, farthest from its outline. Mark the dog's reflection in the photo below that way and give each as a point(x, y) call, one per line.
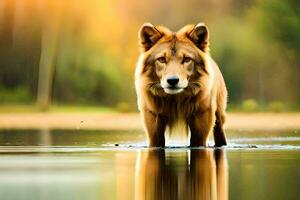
point(199, 174)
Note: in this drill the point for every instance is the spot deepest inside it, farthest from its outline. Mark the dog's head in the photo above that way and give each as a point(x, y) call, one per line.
point(175, 62)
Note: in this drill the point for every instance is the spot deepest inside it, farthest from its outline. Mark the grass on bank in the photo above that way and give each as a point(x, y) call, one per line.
point(31, 108)
point(248, 106)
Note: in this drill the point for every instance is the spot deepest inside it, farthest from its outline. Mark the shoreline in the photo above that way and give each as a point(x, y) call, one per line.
point(131, 121)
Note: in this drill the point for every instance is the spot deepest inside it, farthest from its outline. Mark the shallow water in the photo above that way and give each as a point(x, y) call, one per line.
point(117, 165)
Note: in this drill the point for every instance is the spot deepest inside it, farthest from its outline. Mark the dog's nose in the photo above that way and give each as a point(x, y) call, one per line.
point(173, 80)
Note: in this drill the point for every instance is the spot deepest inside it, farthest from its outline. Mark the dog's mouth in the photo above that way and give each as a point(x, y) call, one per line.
point(173, 90)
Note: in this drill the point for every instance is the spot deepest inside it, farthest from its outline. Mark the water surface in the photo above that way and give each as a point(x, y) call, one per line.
point(76, 164)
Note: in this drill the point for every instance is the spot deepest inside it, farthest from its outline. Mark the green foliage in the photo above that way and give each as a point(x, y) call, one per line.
point(255, 59)
point(19, 94)
point(123, 107)
point(276, 106)
point(90, 78)
point(249, 105)
point(281, 19)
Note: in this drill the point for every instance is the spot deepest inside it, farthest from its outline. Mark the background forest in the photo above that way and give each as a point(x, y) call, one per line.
point(84, 52)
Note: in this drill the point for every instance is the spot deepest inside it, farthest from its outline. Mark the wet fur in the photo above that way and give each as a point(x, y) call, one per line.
point(201, 106)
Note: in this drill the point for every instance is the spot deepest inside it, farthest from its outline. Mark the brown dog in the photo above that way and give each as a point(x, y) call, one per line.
point(177, 81)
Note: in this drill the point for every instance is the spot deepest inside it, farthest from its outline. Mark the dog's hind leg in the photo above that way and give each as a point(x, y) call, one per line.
point(219, 132)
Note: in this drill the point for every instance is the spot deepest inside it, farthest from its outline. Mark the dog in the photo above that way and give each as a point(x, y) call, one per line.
point(177, 82)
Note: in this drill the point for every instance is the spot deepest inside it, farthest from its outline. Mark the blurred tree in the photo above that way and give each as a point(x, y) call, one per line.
point(7, 23)
point(48, 55)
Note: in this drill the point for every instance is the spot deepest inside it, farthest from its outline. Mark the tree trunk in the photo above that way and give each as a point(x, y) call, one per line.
point(47, 60)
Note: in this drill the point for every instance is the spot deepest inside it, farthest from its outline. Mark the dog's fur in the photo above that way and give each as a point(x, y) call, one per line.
point(199, 98)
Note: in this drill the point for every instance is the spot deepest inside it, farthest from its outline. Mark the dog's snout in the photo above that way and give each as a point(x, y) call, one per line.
point(173, 80)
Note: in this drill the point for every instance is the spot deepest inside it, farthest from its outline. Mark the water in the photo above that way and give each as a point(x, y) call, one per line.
point(78, 164)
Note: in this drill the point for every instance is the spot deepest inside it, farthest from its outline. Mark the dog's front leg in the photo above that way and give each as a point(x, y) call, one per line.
point(155, 125)
point(201, 124)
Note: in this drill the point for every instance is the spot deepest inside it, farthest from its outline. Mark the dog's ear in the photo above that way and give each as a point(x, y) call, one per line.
point(199, 36)
point(148, 36)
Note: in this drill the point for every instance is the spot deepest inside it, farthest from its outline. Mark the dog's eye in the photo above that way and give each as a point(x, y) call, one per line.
point(186, 60)
point(162, 60)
